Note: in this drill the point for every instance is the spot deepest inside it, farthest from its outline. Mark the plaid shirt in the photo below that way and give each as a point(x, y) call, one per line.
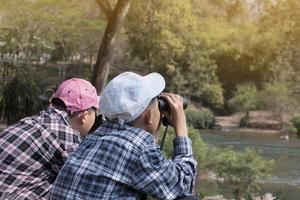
point(122, 162)
point(32, 152)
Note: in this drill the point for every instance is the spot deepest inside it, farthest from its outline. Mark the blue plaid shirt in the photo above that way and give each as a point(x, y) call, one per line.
point(122, 162)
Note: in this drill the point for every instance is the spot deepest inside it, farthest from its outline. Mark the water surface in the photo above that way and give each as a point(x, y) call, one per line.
point(285, 153)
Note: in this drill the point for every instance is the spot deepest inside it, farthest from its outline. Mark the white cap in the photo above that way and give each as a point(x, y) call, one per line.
point(127, 95)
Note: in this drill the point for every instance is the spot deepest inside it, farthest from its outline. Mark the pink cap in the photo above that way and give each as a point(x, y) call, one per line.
point(77, 94)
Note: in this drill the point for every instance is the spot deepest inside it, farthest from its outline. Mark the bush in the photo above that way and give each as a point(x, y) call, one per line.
point(296, 123)
point(245, 120)
point(200, 148)
point(241, 170)
point(19, 99)
point(213, 95)
point(245, 98)
point(279, 92)
point(200, 119)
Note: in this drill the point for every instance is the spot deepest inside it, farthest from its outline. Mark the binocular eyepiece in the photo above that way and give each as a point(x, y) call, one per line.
point(164, 106)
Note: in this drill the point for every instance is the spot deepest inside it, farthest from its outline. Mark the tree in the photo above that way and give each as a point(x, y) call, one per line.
point(246, 98)
point(280, 90)
point(75, 28)
point(43, 29)
point(206, 48)
point(241, 170)
point(104, 57)
point(21, 26)
point(167, 37)
point(32, 28)
point(19, 98)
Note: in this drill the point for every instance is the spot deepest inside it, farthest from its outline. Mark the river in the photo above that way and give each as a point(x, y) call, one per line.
point(285, 153)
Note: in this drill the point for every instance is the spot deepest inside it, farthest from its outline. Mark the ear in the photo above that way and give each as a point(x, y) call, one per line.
point(148, 116)
point(82, 117)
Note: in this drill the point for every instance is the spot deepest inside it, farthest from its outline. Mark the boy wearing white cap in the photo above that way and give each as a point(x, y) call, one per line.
point(33, 150)
point(120, 160)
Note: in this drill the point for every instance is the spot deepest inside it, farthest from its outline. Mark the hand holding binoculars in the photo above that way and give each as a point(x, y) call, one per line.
point(163, 106)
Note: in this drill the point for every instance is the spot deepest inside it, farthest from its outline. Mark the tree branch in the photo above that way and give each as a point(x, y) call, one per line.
point(105, 7)
point(105, 52)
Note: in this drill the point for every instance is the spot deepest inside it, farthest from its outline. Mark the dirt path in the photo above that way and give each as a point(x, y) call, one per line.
point(227, 122)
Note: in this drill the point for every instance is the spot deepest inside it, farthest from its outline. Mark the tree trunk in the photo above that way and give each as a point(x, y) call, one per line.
point(238, 194)
point(104, 57)
point(91, 61)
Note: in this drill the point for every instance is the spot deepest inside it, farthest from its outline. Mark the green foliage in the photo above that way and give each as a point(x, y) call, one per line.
point(204, 48)
point(43, 26)
point(165, 35)
point(202, 151)
point(213, 95)
point(296, 123)
point(200, 119)
point(211, 47)
point(241, 170)
point(245, 98)
point(19, 99)
point(279, 90)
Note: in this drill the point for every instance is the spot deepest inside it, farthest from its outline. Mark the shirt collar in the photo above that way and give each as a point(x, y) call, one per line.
point(60, 113)
point(109, 127)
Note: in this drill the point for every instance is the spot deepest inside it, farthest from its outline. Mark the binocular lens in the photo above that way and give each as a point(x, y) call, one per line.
point(164, 106)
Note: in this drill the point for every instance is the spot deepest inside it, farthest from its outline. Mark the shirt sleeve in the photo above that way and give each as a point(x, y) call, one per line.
point(70, 139)
point(166, 179)
point(64, 140)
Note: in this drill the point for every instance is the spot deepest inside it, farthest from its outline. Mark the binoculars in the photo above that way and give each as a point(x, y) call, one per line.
point(164, 106)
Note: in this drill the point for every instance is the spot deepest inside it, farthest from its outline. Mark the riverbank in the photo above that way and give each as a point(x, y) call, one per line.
point(285, 181)
point(267, 196)
point(259, 122)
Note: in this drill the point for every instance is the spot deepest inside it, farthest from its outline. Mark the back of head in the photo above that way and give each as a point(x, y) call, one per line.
point(76, 95)
point(127, 95)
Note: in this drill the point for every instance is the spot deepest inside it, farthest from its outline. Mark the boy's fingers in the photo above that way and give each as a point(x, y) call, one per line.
point(173, 97)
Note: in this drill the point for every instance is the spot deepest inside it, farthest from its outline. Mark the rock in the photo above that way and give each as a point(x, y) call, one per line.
point(268, 196)
point(212, 177)
point(216, 197)
point(284, 137)
point(256, 198)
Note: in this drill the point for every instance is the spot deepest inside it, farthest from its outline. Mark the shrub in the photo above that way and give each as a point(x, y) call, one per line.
point(213, 95)
point(19, 99)
point(279, 92)
point(296, 123)
point(242, 170)
point(200, 119)
point(245, 98)
point(200, 148)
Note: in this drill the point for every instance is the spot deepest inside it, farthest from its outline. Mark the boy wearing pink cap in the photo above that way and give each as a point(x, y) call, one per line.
point(33, 150)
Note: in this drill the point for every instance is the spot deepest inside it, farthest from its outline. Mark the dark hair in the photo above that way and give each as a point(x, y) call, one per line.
point(58, 103)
